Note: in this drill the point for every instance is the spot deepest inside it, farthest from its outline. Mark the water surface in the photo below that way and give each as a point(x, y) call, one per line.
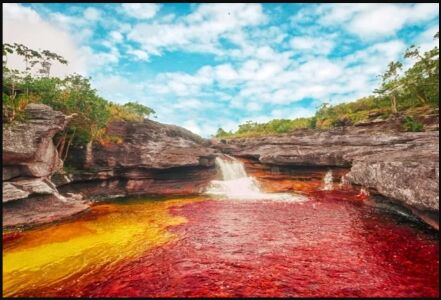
point(330, 245)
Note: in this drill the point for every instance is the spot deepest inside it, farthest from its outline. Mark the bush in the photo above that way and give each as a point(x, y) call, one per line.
point(312, 123)
point(411, 125)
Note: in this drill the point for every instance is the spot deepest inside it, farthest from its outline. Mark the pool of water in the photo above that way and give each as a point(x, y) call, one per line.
point(330, 245)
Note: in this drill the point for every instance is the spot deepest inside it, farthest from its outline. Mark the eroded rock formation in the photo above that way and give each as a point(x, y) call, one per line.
point(29, 160)
point(153, 159)
point(402, 166)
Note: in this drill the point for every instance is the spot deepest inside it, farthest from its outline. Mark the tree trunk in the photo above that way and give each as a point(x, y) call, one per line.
point(59, 141)
point(421, 98)
point(61, 145)
point(68, 145)
point(421, 95)
point(13, 94)
point(394, 104)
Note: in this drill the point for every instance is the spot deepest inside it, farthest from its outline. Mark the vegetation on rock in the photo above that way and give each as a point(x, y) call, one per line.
point(72, 95)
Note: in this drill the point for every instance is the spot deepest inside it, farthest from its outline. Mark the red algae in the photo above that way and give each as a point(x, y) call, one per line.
point(332, 246)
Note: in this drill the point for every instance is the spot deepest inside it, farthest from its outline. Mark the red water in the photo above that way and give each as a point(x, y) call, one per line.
point(332, 245)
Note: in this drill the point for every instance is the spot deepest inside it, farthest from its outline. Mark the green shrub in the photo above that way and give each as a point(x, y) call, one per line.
point(411, 125)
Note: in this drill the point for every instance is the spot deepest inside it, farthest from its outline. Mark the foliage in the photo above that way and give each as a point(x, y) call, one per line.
point(139, 109)
point(410, 124)
point(72, 95)
point(399, 92)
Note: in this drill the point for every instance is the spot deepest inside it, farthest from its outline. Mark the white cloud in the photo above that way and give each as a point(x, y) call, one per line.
point(14, 11)
point(139, 54)
point(116, 36)
point(193, 126)
point(225, 73)
point(383, 20)
point(260, 79)
point(199, 31)
point(191, 103)
point(91, 14)
point(119, 88)
point(253, 106)
point(426, 41)
point(312, 45)
point(141, 10)
point(20, 25)
point(374, 59)
point(369, 20)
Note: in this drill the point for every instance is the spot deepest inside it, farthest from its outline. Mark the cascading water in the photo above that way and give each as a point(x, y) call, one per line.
point(328, 182)
point(236, 184)
point(344, 181)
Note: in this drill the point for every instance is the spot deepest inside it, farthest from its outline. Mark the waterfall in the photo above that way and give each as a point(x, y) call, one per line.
point(327, 182)
point(363, 192)
point(232, 169)
point(237, 185)
point(343, 181)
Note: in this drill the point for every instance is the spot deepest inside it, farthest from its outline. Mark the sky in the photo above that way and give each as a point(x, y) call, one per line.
point(205, 66)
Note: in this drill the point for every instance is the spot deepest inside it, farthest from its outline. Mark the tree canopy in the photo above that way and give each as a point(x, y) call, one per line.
point(72, 95)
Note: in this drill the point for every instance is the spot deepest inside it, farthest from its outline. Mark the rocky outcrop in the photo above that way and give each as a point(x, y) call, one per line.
point(402, 166)
point(334, 147)
point(29, 159)
point(153, 159)
point(28, 149)
point(409, 177)
point(42, 208)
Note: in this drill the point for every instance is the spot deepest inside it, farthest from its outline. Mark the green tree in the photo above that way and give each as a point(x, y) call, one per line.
point(46, 58)
point(390, 84)
point(422, 79)
point(139, 109)
point(221, 133)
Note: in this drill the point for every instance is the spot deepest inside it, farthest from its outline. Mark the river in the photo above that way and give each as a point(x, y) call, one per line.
point(224, 244)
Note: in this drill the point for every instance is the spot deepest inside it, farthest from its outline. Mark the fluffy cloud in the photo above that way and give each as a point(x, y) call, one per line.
point(199, 31)
point(139, 54)
point(426, 40)
point(312, 45)
point(370, 20)
point(20, 25)
point(141, 10)
point(262, 69)
point(91, 14)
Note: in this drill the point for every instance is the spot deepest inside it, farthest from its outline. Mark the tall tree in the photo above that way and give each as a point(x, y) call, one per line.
point(46, 61)
point(390, 84)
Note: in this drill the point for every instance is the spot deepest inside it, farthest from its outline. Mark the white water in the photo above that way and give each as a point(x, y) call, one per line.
point(363, 192)
point(236, 184)
point(328, 182)
point(343, 181)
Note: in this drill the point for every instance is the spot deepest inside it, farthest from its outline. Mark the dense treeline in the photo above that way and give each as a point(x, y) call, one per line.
point(72, 95)
point(399, 92)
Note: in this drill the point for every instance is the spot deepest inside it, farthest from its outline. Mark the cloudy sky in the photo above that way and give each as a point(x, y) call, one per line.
point(204, 66)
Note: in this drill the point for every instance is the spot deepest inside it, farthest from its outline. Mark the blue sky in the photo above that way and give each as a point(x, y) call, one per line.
point(204, 66)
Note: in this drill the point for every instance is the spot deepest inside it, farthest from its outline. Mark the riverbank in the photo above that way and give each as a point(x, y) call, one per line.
point(154, 159)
